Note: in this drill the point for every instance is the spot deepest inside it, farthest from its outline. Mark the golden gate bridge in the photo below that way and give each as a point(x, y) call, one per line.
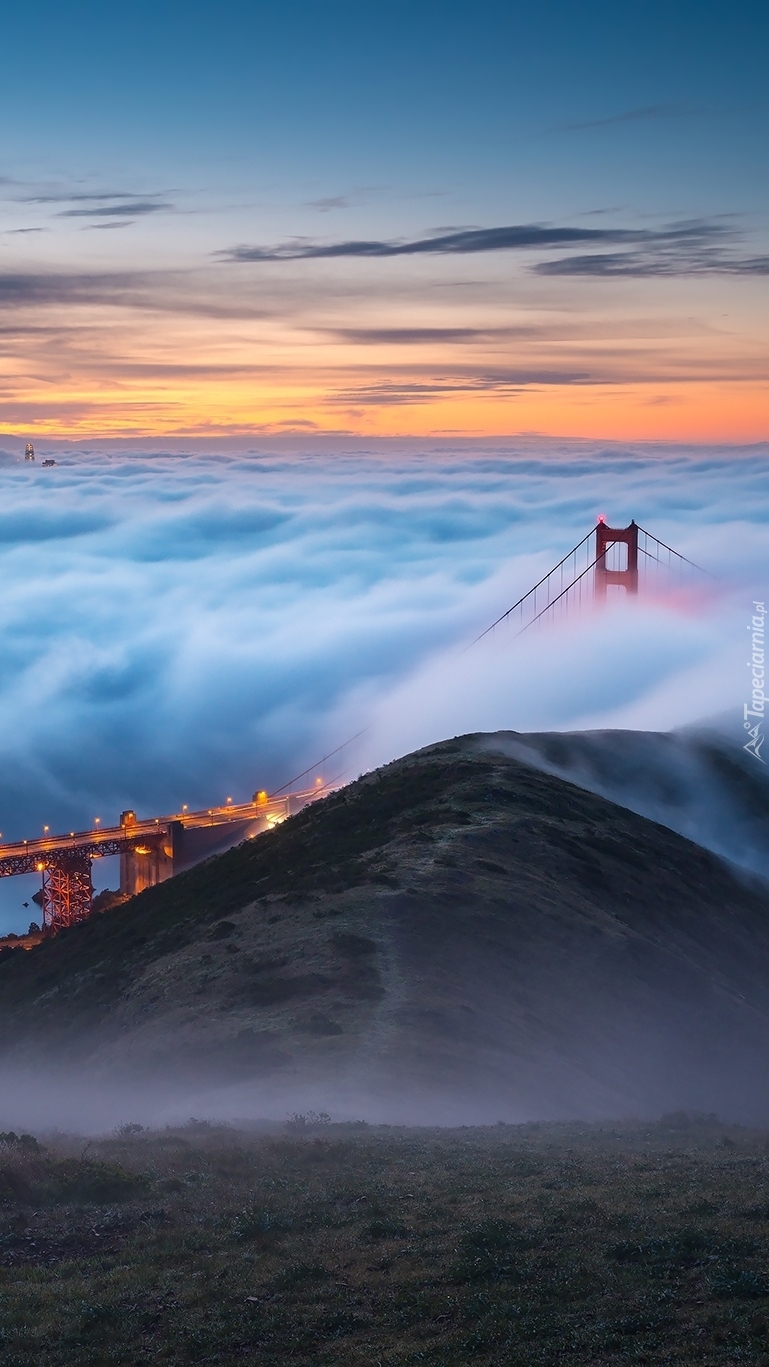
point(606, 560)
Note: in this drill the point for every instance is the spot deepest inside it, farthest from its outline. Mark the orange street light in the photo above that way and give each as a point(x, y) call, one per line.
point(96, 820)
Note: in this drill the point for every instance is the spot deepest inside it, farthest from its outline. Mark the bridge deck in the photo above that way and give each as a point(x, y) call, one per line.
point(29, 856)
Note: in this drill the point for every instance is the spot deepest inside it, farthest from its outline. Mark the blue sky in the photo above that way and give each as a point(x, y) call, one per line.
point(641, 99)
point(161, 166)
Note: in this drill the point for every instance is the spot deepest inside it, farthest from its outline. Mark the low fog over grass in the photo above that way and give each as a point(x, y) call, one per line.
point(185, 628)
point(324, 1243)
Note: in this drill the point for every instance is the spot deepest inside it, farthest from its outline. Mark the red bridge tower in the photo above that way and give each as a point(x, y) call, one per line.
point(626, 576)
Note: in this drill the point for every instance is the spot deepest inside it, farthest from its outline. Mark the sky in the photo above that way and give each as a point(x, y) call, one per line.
point(183, 629)
point(423, 220)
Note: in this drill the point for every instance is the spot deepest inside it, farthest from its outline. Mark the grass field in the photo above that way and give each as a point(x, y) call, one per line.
point(323, 1243)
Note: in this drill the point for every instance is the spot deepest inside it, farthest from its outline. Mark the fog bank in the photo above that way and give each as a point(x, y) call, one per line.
point(182, 628)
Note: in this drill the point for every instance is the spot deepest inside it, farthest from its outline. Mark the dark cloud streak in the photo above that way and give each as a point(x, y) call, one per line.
point(411, 336)
point(330, 202)
point(388, 393)
point(464, 241)
point(150, 291)
point(116, 223)
point(65, 288)
point(79, 197)
point(121, 210)
point(698, 247)
point(641, 115)
point(608, 265)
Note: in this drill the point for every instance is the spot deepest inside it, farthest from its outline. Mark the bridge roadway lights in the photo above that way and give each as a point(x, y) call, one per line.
point(150, 851)
point(626, 578)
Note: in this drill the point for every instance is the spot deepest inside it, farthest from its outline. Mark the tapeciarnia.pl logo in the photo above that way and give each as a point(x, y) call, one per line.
point(754, 710)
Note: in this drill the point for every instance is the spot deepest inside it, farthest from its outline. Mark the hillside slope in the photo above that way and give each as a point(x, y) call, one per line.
point(458, 935)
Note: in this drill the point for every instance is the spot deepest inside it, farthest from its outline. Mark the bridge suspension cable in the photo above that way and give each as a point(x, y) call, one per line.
point(561, 595)
point(613, 560)
point(674, 558)
point(318, 764)
point(532, 593)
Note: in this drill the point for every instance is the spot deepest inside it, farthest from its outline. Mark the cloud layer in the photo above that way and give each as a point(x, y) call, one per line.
point(692, 248)
point(181, 629)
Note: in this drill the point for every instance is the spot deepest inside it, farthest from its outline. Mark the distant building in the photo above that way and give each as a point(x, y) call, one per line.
point(29, 451)
point(48, 461)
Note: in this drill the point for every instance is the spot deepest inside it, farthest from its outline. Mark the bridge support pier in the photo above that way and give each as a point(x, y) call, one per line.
point(149, 861)
point(67, 890)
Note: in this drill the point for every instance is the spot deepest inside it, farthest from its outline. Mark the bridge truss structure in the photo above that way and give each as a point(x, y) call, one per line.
point(150, 851)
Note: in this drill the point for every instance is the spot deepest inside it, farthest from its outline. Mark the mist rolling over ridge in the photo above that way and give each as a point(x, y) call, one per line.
point(698, 781)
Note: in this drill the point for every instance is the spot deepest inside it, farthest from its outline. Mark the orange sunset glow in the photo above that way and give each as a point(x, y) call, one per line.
point(528, 361)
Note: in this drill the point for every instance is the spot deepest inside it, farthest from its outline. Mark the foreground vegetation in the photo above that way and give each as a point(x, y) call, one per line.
point(322, 1243)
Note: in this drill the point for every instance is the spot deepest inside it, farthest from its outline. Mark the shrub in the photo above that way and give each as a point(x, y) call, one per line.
point(26, 1143)
point(33, 1179)
point(308, 1120)
point(92, 1183)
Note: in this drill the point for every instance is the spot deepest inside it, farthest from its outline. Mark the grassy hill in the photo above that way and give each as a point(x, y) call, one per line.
point(457, 935)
